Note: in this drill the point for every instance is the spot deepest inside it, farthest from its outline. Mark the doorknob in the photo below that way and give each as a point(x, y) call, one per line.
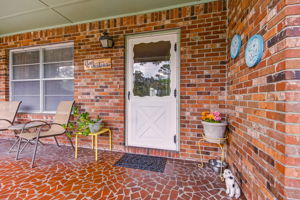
point(175, 93)
point(128, 95)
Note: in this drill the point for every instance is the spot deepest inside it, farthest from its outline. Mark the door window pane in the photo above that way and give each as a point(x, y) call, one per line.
point(151, 69)
point(26, 72)
point(59, 70)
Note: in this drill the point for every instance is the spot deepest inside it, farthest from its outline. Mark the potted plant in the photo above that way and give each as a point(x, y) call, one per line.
point(84, 124)
point(214, 127)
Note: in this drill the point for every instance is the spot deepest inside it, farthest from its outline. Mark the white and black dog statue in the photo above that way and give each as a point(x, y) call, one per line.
point(232, 188)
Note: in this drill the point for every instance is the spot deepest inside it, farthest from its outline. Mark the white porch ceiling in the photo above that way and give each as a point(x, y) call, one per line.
point(17, 16)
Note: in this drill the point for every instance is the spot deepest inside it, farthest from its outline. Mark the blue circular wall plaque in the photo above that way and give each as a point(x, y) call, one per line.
point(254, 50)
point(235, 46)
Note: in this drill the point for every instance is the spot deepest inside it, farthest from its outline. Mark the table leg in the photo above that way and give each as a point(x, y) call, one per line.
point(222, 160)
point(93, 142)
point(110, 140)
point(201, 156)
point(15, 143)
point(96, 147)
point(76, 145)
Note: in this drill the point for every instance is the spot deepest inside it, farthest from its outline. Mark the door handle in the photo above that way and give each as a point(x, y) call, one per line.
point(128, 95)
point(175, 93)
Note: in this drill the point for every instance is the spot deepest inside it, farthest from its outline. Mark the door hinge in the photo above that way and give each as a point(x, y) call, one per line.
point(175, 47)
point(128, 95)
point(175, 139)
point(175, 93)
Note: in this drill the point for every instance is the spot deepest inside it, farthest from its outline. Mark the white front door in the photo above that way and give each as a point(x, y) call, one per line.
point(151, 90)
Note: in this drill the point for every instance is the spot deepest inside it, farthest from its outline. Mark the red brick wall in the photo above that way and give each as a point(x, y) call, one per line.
point(263, 102)
point(203, 69)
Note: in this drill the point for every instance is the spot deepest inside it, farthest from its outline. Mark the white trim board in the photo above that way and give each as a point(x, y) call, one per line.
point(110, 17)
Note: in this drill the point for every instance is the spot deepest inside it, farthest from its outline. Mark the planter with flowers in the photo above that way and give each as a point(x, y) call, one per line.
point(214, 127)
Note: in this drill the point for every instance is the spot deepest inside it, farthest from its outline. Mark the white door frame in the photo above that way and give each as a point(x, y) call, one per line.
point(131, 36)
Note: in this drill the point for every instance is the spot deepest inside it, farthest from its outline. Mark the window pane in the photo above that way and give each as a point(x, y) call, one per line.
point(56, 55)
point(59, 87)
point(26, 72)
point(51, 102)
point(59, 70)
point(29, 103)
point(151, 69)
point(26, 88)
point(28, 57)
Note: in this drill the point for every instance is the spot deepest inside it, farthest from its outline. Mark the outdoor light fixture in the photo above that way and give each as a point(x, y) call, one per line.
point(106, 40)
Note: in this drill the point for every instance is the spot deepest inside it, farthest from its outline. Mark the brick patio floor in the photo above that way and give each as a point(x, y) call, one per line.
point(59, 176)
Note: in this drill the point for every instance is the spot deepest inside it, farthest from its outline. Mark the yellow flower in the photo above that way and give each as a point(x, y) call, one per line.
point(210, 116)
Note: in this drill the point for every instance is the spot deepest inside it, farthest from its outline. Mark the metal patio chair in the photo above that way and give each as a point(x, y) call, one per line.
point(54, 129)
point(8, 112)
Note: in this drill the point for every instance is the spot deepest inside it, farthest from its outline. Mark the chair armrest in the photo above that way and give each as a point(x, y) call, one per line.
point(50, 124)
point(6, 121)
point(44, 123)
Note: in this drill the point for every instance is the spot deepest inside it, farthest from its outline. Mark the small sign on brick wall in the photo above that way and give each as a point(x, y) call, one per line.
point(102, 63)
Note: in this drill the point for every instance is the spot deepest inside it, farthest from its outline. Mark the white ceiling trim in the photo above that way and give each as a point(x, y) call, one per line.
point(92, 20)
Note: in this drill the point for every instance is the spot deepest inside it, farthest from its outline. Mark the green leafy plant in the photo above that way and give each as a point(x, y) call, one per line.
point(82, 122)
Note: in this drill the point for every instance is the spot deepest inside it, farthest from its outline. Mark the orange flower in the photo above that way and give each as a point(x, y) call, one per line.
point(205, 113)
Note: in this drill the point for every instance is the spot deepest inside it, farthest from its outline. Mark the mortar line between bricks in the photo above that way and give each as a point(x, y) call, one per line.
point(282, 112)
point(283, 133)
point(275, 111)
point(279, 152)
point(264, 76)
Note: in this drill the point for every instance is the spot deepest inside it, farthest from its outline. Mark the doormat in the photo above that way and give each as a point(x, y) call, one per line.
point(150, 163)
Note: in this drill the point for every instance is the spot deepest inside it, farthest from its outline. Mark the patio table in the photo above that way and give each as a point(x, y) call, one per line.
point(26, 126)
point(21, 127)
point(94, 141)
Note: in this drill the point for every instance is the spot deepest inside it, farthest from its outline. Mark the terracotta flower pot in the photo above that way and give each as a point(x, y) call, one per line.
point(214, 131)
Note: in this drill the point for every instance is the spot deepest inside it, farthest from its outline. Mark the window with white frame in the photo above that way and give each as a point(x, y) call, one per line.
point(41, 77)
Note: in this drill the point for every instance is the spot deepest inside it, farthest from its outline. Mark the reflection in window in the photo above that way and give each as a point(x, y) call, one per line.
point(151, 69)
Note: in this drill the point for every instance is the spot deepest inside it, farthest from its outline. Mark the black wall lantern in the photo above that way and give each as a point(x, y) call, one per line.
point(106, 40)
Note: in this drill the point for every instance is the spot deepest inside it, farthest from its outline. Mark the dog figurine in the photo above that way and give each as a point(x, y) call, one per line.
point(232, 188)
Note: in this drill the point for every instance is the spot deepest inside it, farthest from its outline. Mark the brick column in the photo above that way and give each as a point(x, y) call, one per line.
point(4, 78)
point(263, 101)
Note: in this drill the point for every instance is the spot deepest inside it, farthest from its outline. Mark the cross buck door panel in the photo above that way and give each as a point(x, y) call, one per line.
point(151, 96)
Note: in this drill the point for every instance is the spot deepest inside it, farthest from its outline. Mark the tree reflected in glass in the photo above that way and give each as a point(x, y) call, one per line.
point(151, 69)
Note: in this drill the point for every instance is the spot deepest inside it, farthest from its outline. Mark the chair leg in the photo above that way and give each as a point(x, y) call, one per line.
point(34, 153)
point(15, 143)
point(71, 142)
point(56, 141)
point(24, 146)
point(18, 151)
